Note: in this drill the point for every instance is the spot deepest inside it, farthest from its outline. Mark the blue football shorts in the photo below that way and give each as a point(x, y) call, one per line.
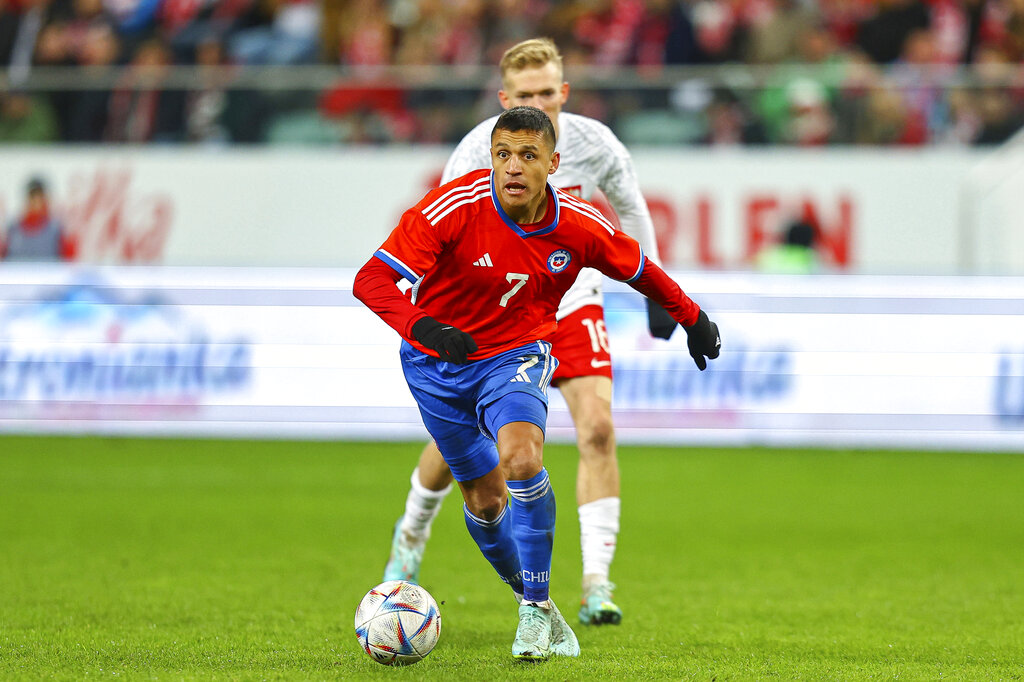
point(463, 406)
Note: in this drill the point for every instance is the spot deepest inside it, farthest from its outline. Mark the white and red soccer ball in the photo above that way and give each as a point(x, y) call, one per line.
point(397, 623)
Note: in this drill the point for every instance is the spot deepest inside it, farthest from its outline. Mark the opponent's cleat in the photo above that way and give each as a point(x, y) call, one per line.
point(533, 636)
point(404, 562)
point(597, 607)
point(563, 639)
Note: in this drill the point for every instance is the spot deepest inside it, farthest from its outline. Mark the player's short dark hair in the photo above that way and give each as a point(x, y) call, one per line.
point(526, 118)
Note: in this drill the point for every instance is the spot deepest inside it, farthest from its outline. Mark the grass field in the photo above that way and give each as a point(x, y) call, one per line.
point(168, 560)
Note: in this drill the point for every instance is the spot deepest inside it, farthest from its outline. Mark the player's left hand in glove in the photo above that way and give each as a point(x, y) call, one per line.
point(702, 339)
point(452, 345)
point(659, 321)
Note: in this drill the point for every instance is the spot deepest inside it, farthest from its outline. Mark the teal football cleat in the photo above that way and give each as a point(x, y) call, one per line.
point(563, 639)
point(597, 607)
point(533, 636)
point(404, 562)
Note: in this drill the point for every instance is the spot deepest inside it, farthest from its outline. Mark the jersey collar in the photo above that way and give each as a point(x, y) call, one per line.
point(514, 226)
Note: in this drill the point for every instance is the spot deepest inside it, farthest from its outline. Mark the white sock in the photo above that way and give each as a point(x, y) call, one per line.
point(599, 529)
point(421, 507)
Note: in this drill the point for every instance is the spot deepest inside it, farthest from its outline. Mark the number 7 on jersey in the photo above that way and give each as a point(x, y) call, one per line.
point(520, 281)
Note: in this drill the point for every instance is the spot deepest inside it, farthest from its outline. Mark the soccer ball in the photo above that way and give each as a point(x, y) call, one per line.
point(398, 623)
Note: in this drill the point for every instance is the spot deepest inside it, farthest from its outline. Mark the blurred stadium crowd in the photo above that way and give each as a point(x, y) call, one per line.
point(796, 72)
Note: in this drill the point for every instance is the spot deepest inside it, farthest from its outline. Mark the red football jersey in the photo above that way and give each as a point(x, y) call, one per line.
point(474, 268)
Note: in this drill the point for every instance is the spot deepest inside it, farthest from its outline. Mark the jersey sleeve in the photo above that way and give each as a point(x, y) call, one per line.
point(374, 285)
point(621, 257)
point(622, 188)
point(655, 284)
point(472, 153)
point(615, 254)
point(412, 247)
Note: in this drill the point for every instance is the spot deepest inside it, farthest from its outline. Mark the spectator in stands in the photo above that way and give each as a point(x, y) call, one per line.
point(729, 121)
point(815, 48)
point(919, 75)
point(1014, 24)
point(997, 97)
point(650, 39)
point(82, 16)
point(26, 119)
point(451, 33)
point(187, 23)
point(607, 28)
point(142, 108)
point(134, 19)
point(53, 45)
point(53, 49)
point(911, 35)
point(87, 120)
point(963, 123)
point(998, 116)
point(881, 36)
point(681, 46)
point(776, 37)
point(888, 121)
point(37, 235)
point(841, 18)
point(721, 29)
point(360, 32)
point(34, 15)
point(507, 22)
point(810, 121)
point(9, 20)
point(206, 104)
point(291, 38)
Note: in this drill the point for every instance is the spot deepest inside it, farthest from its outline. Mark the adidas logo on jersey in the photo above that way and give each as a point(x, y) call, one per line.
point(484, 261)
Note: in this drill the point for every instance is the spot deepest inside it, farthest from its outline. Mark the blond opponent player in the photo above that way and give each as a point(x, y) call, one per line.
point(592, 158)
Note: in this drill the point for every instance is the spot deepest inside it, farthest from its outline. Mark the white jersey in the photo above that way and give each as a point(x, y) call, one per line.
point(592, 158)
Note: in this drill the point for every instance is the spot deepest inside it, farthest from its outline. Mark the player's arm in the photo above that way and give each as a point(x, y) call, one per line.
point(375, 286)
point(702, 337)
point(408, 253)
point(620, 184)
point(624, 260)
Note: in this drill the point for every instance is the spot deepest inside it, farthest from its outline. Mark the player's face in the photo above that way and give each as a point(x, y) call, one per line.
point(522, 161)
point(538, 86)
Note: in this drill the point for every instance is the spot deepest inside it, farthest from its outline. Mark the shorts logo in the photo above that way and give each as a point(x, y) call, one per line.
point(559, 260)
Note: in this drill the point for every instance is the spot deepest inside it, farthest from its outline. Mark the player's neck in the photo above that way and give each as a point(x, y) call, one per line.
point(527, 215)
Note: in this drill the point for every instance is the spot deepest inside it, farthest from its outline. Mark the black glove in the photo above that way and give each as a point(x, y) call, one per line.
point(450, 343)
point(703, 339)
point(659, 321)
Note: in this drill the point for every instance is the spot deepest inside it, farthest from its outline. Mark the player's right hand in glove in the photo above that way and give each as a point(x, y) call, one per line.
point(452, 345)
point(702, 339)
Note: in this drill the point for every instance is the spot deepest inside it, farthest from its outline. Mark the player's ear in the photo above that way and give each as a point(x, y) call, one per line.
point(506, 103)
point(555, 158)
point(565, 93)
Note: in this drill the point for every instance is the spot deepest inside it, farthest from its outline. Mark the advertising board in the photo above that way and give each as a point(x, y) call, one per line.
point(844, 361)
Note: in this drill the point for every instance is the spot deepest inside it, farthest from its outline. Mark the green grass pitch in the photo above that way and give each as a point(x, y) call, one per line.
point(237, 560)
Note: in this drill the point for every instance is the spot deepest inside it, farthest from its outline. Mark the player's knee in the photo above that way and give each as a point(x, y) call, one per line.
point(597, 437)
point(486, 505)
point(521, 461)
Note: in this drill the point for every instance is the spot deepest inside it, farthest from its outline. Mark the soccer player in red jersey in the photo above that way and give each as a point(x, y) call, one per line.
point(591, 158)
point(490, 256)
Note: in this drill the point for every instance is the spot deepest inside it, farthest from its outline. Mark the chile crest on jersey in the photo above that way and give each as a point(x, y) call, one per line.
point(559, 260)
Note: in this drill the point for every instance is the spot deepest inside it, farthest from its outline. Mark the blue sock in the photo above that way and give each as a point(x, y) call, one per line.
point(494, 538)
point(533, 515)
